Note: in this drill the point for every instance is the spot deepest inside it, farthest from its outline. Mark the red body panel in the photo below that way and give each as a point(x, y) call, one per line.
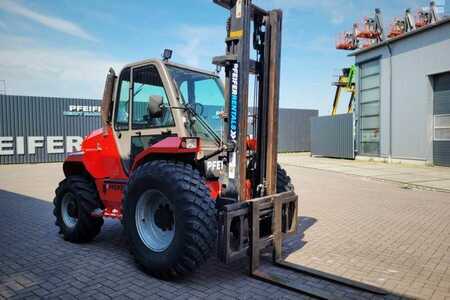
point(170, 145)
point(101, 156)
point(214, 188)
point(101, 159)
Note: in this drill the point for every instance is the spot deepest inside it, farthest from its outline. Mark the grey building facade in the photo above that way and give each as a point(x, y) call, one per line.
point(402, 107)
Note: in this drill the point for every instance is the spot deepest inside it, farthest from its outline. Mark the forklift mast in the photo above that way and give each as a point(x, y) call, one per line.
point(250, 223)
point(238, 65)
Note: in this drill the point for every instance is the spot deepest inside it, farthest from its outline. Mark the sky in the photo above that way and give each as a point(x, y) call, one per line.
point(64, 48)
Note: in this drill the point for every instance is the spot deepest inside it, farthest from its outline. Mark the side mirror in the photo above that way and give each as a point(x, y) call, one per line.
point(155, 103)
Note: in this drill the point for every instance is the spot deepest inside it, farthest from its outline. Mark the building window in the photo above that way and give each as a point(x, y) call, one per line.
point(369, 108)
point(442, 127)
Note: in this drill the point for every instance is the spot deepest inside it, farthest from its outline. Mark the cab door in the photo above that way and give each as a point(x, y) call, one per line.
point(147, 128)
point(121, 117)
point(135, 127)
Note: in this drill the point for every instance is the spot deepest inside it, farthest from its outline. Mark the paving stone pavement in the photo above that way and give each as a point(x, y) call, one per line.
point(401, 236)
point(36, 263)
point(375, 232)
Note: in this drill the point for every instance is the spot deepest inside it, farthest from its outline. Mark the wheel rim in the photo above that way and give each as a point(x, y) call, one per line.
point(155, 220)
point(69, 210)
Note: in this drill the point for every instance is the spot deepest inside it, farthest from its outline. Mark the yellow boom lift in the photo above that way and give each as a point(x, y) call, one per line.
point(345, 82)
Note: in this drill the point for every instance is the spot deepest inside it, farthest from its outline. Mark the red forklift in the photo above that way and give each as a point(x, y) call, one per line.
point(175, 163)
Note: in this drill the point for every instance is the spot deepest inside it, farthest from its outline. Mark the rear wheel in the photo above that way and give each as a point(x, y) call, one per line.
point(283, 180)
point(169, 218)
point(284, 184)
point(76, 197)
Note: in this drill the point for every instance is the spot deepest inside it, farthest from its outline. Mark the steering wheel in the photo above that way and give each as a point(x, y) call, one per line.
point(199, 108)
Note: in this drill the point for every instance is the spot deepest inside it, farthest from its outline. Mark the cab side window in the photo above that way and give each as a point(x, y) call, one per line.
point(123, 101)
point(146, 85)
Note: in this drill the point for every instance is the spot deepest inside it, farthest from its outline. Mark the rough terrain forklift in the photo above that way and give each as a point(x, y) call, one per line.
point(176, 163)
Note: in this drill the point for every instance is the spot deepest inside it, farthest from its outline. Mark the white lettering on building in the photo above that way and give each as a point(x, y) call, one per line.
point(55, 144)
point(6, 145)
point(20, 146)
point(73, 143)
point(52, 144)
point(83, 110)
point(34, 142)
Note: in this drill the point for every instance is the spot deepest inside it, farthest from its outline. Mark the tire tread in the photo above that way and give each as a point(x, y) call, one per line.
point(86, 193)
point(198, 207)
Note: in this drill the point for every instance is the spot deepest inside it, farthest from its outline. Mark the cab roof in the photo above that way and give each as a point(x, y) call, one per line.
point(168, 63)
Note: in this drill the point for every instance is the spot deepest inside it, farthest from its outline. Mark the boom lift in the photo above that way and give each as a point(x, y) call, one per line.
point(373, 28)
point(371, 31)
point(427, 16)
point(345, 82)
point(402, 26)
point(348, 40)
point(177, 177)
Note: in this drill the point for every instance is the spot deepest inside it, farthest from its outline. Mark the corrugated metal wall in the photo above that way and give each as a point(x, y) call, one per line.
point(294, 129)
point(28, 123)
point(332, 136)
point(38, 118)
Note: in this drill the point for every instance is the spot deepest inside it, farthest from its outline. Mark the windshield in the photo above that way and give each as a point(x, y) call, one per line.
point(204, 95)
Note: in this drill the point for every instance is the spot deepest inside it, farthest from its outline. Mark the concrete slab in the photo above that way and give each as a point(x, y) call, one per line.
point(438, 184)
point(368, 172)
point(33, 180)
point(441, 174)
point(408, 177)
point(419, 176)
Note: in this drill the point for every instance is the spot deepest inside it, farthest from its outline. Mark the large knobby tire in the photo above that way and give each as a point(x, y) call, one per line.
point(76, 198)
point(283, 180)
point(169, 218)
point(283, 185)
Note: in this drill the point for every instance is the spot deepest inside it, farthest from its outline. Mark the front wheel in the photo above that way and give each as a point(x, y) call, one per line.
point(169, 218)
point(284, 184)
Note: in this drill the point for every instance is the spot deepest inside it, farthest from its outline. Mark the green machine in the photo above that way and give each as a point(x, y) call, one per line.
point(346, 82)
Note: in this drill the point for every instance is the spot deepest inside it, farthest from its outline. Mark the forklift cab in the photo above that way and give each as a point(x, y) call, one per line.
point(155, 99)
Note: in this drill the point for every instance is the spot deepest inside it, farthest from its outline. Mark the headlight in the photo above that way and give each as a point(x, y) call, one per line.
point(189, 143)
